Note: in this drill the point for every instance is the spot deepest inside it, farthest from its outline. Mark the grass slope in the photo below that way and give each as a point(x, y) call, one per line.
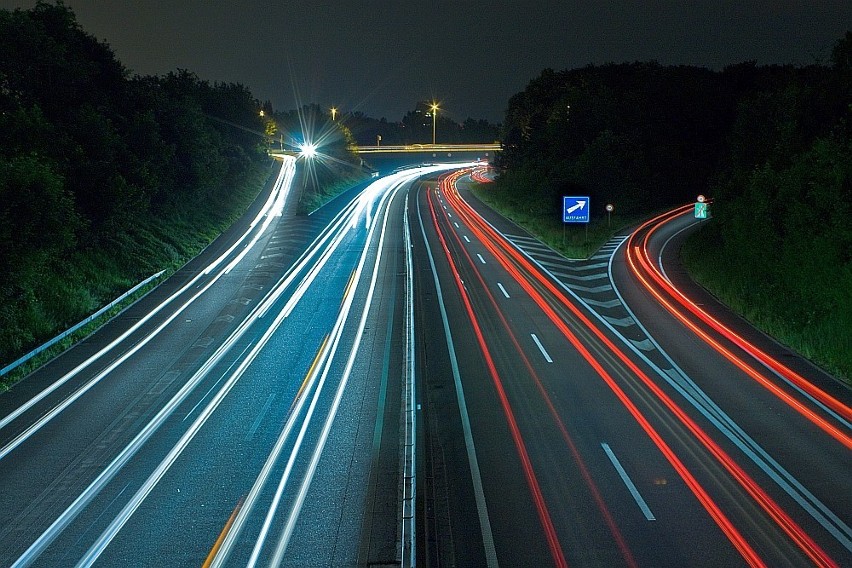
point(67, 290)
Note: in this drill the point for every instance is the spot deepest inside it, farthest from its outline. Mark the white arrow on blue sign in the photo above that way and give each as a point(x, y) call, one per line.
point(575, 209)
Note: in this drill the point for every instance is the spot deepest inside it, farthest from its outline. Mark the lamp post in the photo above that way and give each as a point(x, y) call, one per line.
point(434, 109)
point(333, 113)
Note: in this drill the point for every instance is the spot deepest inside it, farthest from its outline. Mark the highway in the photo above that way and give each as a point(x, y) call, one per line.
point(245, 412)
point(574, 419)
point(404, 377)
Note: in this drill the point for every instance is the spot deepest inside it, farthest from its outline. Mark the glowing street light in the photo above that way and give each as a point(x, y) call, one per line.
point(261, 113)
point(434, 108)
point(308, 150)
point(333, 113)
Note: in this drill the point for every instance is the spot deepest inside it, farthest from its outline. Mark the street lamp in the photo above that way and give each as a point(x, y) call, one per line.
point(261, 113)
point(434, 109)
point(333, 113)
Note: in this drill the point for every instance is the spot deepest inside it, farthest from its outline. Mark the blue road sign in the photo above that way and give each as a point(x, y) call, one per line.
point(575, 209)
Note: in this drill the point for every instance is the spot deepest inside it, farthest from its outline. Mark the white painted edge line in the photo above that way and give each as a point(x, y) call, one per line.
point(541, 348)
point(628, 482)
point(473, 462)
point(666, 243)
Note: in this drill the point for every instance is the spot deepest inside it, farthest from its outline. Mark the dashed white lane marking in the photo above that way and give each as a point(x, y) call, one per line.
point(505, 293)
point(541, 348)
point(628, 482)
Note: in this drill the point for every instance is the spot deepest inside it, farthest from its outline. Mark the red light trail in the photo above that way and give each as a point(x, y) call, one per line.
point(644, 269)
point(622, 545)
point(510, 258)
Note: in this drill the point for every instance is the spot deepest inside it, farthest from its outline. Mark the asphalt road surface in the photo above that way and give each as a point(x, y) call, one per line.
point(250, 410)
point(573, 419)
point(406, 378)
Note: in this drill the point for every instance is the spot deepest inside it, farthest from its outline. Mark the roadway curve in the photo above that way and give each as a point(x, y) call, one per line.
point(573, 420)
point(264, 405)
point(246, 411)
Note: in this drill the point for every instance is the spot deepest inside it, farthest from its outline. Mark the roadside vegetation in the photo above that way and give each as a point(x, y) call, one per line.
point(780, 248)
point(576, 241)
point(106, 178)
point(770, 145)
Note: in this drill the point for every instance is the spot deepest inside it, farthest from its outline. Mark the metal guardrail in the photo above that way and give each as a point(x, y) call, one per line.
point(71, 330)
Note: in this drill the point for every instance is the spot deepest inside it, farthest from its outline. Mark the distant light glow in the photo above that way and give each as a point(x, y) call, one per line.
point(308, 150)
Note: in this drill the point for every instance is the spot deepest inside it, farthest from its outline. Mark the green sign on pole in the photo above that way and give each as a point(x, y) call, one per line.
point(701, 210)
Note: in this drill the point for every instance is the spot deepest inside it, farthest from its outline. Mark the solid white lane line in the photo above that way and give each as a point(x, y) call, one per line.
point(505, 293)
point(702, 402)
point(541, 348)
point(628, 482)
point(482, 260)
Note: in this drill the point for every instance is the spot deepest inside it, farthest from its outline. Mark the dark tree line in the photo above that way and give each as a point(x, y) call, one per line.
point(88, 153)
point(636, 135)
point(783, 231)
point(643, 135)
point(772, 145)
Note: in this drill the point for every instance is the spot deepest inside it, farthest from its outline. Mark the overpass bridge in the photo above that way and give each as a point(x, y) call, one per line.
point(425, 149)
point(434, 148)
point(385, 159)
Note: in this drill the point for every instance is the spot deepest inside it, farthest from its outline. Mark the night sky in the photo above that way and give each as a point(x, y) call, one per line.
point(382, 56)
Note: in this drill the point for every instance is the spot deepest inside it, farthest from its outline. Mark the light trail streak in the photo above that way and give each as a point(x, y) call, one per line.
point(680, 382)
point(314, 381)
point(781, 518)
point(470, 446)
point(284, 539)
point(336, 336)
point(641, 266)
point(278, 189)
point(538, 498)
point(488, 237)
point(592, 486)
